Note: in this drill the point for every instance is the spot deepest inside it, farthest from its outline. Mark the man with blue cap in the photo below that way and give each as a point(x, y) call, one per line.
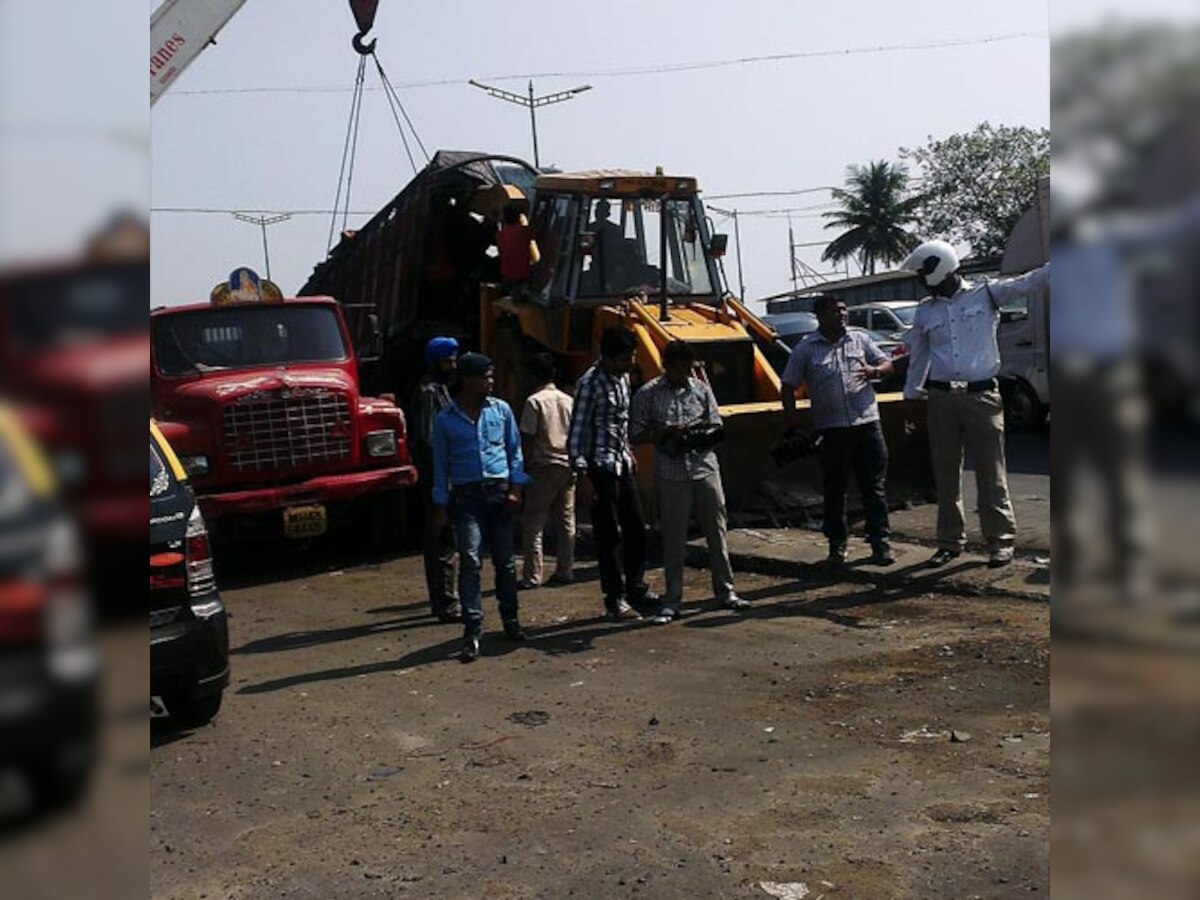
point(441, 550)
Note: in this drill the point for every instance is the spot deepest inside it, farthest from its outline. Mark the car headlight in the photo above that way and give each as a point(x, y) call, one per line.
point(381, 443)
point(194, 465)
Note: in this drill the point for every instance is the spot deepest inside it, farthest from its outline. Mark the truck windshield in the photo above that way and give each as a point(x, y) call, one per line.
point(77, 306)
point(243, 337)
point(628, 244)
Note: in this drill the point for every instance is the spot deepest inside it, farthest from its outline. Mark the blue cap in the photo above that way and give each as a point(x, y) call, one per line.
point(440, 348)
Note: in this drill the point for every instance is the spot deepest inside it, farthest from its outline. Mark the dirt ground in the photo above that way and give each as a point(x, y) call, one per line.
point(805, 742)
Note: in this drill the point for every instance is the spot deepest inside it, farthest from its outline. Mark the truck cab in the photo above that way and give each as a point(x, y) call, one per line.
point(260, 398)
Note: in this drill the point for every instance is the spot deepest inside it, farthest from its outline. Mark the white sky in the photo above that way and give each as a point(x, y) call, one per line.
point(760, 127)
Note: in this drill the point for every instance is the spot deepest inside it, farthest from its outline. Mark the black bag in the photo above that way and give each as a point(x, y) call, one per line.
point(676, 444)
point(794, 444)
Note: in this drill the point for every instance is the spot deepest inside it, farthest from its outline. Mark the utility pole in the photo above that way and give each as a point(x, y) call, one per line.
point(792, 255)
point(262, 222)
point(737, 241)
point(532, 102)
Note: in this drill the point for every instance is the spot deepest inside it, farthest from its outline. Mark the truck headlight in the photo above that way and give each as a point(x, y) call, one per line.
point(194, 465)
point(381, 443)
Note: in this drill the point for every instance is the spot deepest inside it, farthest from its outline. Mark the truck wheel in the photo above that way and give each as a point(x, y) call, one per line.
point(1023, 411)
point(387, 521)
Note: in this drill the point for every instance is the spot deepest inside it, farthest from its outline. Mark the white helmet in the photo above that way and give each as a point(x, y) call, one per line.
point(933, 261)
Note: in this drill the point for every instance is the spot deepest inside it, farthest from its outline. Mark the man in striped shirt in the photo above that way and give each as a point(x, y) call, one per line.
point(598, 447)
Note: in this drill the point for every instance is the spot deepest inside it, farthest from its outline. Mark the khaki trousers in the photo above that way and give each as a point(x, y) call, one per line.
point(975, 421)
point(677, 501)
point(550, 492)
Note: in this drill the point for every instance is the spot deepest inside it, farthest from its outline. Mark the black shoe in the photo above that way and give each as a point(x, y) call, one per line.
point(882, 554)
point(451, 613)
point(470, 650)
point(647, 603)
point(837, 555)
point(942, 557)
point(513, 630)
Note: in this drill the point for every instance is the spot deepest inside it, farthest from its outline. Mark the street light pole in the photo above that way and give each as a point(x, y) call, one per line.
point(262, 222)
point(532, 102)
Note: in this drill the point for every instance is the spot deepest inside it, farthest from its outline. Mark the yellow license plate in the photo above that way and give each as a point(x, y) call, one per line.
point(304, 521)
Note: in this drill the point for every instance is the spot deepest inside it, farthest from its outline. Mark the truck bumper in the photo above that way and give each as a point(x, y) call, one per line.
point(328, 489)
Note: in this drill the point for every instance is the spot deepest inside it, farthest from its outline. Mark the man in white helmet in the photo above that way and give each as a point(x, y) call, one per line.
point(954, 360)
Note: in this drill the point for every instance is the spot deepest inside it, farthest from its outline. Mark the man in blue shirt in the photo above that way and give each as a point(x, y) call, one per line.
point(477, 464)
point(838, 366)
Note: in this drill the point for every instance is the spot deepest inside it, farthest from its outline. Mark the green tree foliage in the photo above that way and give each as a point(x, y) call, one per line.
point(977, 185)
point(875, 210)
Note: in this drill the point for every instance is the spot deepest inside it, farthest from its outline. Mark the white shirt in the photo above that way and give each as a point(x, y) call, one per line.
point(955, 339)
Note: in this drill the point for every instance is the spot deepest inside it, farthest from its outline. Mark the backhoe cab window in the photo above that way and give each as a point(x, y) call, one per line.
point(626, 249)
point(241, 337)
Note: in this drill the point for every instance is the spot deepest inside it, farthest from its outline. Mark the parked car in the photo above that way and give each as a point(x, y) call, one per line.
point(189, 632)
point(889, 319)
point(793, 327)
point(49, 663)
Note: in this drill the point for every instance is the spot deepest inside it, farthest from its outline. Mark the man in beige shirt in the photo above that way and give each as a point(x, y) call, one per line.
point(546, 423)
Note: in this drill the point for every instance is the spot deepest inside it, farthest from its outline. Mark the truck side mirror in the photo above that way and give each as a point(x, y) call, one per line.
point(717, 245)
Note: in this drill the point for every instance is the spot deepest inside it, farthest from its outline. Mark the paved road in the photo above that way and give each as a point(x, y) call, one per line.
point(806, 743)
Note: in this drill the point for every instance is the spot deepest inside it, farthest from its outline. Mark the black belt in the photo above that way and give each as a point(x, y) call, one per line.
point(963, 387)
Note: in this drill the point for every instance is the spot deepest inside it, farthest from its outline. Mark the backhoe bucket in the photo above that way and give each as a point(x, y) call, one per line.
point(758, 491)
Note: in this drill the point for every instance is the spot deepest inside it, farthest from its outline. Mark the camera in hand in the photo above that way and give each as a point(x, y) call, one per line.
point(679, 442)
point(794, 444)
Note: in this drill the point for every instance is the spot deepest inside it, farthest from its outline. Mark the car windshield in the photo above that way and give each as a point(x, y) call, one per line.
point(242, 337)
point(628, 243)
point(905, 314)
point(77, 306)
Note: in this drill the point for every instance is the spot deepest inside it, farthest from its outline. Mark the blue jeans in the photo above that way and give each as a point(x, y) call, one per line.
point(481, 516)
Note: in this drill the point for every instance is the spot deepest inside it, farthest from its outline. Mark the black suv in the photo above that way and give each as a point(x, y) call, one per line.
point(49, 663)
point(189, 632)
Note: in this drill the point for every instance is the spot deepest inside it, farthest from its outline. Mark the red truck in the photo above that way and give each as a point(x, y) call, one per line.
point(260, 398)
point(73, 358)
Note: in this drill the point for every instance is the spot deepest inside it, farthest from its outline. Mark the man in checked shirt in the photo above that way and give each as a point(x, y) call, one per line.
point(687, 483)
point(598, 447)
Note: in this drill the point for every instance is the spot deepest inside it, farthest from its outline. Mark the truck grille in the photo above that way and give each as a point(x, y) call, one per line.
point(285, 431)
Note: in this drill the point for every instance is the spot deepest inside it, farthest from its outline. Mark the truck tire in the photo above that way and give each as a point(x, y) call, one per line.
point(387, 521)
point(1023, 411)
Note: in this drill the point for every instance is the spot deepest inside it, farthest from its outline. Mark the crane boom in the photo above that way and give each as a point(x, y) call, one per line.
point(179, 31)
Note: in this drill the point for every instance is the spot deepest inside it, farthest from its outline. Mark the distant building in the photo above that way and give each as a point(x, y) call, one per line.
point(900, 285)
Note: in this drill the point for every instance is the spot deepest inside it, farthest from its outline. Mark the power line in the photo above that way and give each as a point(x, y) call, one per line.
point(209, 210)
point(669, 68)
point(750, 194)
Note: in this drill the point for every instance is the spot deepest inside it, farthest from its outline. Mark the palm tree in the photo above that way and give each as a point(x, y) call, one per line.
point(874, 212)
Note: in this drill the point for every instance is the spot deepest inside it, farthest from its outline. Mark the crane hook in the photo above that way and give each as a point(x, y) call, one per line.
point(362, 46)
